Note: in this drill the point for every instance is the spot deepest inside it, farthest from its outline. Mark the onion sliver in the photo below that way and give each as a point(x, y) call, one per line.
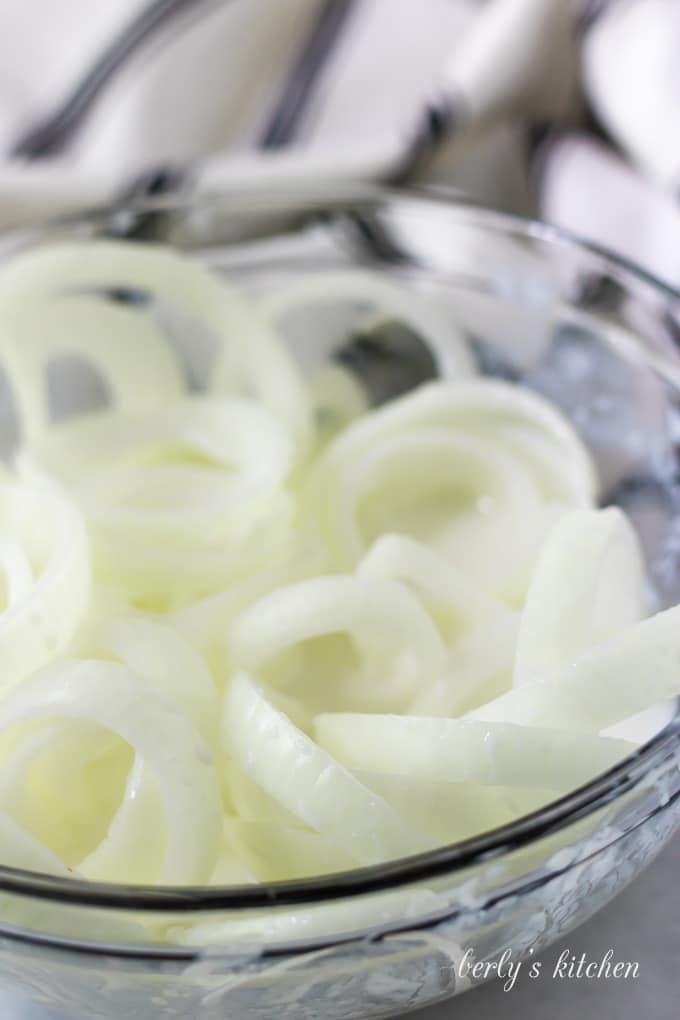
point(298, 774)
point(133, 848)
point(19, 849)
point(250, 354)
point(381, 295)
point(481, 407)
point(370, 610)
point(17, 572)
point(238, 587)
point(467, 751)
point(39, 623)
point(479, 659)
point(46, 783)
point(155, 652)
point(251, 803)
point(232, 433)
point(421, 462)
point(588, 584)
point(230, 869)
point(175, 573)
point(451, 811)
point(204, 622)
point(111, 695)
point(274, 852)
point(126, 346)
point(400, 558)
point(618, 678)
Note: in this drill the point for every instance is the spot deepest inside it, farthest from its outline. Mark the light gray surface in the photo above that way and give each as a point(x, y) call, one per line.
point(642, 925)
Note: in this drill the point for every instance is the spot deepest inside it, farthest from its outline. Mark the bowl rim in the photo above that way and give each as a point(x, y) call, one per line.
point(574, 806)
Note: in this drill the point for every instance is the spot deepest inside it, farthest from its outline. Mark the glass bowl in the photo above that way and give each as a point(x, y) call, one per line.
point(534, 305)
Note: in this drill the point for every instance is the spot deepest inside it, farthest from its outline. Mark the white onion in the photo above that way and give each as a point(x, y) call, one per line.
point(109, 694)
point(266, 632)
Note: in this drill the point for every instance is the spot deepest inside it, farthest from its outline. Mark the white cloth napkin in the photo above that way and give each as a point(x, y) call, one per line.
point(631, 73)
point(199, 93)
point(202, 90)
point(591, 191)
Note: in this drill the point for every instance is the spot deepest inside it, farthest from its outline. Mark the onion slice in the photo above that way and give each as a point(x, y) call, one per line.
point(467, 750)
point(302, 777)
point(109, 694)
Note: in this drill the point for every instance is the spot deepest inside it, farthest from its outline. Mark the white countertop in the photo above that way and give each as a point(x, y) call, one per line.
point(642, 925)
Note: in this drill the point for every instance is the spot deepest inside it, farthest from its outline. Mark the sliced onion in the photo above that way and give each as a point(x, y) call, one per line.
point(298, 774)
point(109, 694)
point(484, 407)
point(162, 575)
point(159, 655)
point(41, 621)
point(19, 849)
point(17, 571)
point(400, 558)
point(337, 398)
point(205, 622)
point(479, 664)
point(468, 751)
point(235, 434)
point(587, 586)
point(226, 719)
point(252, 804)
point(126, 346)
point(379, 294)
point(371, 609)
point(618, 678)
point(422, 462)
point(397, 643)
point(132, 850)
point(448, 811)
point(276, 853)
point(250, 354)
point(49, 783)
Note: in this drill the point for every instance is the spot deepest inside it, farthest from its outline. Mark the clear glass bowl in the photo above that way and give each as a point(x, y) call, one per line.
point(600, 338)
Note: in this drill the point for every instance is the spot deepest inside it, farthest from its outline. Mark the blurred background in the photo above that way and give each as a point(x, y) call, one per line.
point(568, 110)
